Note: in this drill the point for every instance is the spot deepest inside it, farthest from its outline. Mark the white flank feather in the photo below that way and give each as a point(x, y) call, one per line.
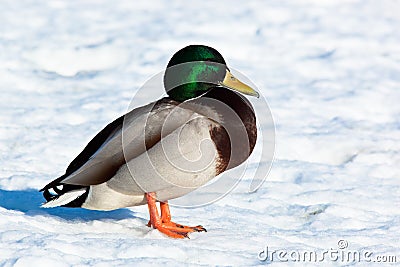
point(64, 198)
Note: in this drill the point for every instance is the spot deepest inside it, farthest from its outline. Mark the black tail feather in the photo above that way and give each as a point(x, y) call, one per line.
point(65, 188)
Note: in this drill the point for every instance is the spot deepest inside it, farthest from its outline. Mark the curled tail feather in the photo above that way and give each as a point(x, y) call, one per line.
point(65, 195)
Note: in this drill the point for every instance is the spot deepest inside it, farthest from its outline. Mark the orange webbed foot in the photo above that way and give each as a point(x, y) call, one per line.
point(183, 228)
point(164, 223)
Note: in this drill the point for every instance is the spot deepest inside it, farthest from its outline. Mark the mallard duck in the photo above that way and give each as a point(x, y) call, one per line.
point(167, 148)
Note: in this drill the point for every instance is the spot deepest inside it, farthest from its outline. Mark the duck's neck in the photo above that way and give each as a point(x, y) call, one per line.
point(236, 114)
point(187, 91)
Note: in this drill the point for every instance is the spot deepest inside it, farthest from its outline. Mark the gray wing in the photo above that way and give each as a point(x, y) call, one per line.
point(132, 135)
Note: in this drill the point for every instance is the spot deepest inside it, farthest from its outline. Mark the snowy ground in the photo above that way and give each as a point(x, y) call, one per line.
point(329, 69)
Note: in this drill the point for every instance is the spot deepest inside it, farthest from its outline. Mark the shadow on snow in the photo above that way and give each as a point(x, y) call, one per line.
point(29, 201)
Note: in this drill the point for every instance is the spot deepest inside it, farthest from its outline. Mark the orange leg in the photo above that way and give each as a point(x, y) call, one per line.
point(164, 223)
point(165, 213)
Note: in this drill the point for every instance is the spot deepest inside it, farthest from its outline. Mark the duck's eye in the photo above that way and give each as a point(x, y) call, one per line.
point(233, 78)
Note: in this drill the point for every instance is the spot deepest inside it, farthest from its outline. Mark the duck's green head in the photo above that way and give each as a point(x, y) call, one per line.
point(195, 70)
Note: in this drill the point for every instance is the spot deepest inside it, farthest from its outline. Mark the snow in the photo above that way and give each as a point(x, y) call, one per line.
point(328, 69)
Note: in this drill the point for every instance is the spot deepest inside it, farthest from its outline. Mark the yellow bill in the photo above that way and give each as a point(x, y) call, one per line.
point(231, 82)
